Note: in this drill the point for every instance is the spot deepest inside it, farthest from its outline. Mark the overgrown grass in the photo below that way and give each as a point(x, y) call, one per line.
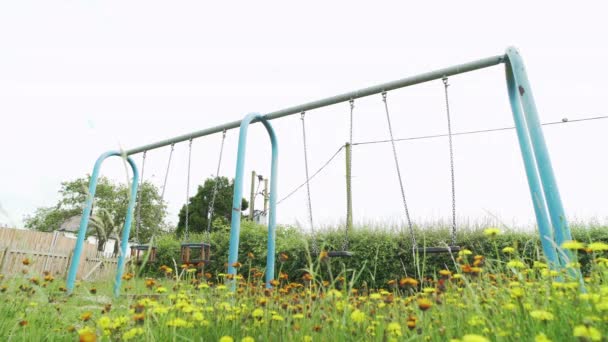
point(499, 289)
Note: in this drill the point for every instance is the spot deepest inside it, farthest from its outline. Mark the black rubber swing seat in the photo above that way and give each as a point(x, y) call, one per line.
point(433, 250)
point(339, 254)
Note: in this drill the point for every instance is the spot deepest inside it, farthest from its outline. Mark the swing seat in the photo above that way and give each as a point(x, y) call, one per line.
point(194, 253)
point(339, 254)
point(435, 250)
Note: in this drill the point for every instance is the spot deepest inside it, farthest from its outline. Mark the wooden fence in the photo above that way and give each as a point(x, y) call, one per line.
point(51, 252)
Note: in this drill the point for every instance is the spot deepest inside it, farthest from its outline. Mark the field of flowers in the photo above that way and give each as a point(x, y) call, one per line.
point(473, 298)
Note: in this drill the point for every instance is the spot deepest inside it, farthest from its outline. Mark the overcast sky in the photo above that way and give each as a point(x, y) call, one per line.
point(80, 78)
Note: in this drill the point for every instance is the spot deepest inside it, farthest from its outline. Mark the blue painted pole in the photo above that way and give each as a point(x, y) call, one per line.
point(235, 225)
point(538, 199)
point(84, 222)
point(543, 161)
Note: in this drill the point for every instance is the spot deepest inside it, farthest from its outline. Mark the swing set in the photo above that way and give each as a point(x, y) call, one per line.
point(544, 192)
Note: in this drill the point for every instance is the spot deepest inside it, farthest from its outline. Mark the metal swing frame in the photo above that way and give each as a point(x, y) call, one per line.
point(546, 200)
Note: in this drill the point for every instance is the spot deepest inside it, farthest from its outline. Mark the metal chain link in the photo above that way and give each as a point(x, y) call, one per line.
point(215, 186)
point(315, 245)
point(162, 195)
point(407, 213)
point(188, 190)
point(447, 107)
point(139, 195)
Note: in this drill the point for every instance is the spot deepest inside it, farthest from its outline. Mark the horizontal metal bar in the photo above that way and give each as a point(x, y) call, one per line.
point(377, 89)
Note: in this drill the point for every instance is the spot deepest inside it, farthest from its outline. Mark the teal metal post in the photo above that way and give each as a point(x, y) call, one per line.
point(84, 221)
point(554, 203)
point(235, 226)
point(538, 198)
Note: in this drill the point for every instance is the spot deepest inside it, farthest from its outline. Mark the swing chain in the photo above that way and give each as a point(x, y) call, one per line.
point(407, 213)
point(447, 106)
point(162, 195)
point(188, 190)
point(315, 246)
point(215, 186)
point(139, 195)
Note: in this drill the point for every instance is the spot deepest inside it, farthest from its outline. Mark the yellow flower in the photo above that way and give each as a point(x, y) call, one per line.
point(306, 339)
point(491, 232)
point(104, 322)
point(132, 333)
point(516, 264)
point(508, 250)
point(277, 318)
point(573, 245)
point(178, 322)
point(226, 339)
point(587, 333)
point(257, 313)
point(598, 246)
point(357, 316)
point(87, 334)
point(394, 328)
point(247, 339)
point(474, 338)
point(541, 338)
point(464, 252)
point(542, 315)
point(161, 289)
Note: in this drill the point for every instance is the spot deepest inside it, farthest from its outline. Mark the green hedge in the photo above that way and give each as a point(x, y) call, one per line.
point(379, 254)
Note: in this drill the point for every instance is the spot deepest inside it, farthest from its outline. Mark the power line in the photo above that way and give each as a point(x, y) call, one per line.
point(489, 130)
point(311, 177)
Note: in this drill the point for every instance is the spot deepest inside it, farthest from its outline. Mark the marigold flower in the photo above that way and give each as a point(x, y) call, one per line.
point(445, 273)
point(283, 257)
point(357, 316)
point(132, 333)
point(491, 232)
point(237, 264)
point(587, 333)
point(474, 338)
point(573, 245)
point(598, 246)
point(87, 334)
point(542, 315)
point(26, 261)
point(247, 339)
point(258, 314)
point(411, 282)
point(464, 252)
point(226, 339)
point(86, 316)
point(394, 329)
point(508, 250)
point(179, 323)
point(516, 264)
point(541, 338)
point(424, 304)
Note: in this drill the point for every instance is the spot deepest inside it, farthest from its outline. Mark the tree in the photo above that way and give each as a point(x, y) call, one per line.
point(109, 210)
point(198, 209)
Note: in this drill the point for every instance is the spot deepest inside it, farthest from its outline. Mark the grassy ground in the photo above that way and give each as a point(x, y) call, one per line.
point(475, 298)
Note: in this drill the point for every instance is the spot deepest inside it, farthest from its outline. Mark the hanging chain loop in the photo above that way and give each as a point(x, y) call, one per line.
point(215, 187)
point(139, 196)
point(188, 192)
point(447, 107)
point(407, 213)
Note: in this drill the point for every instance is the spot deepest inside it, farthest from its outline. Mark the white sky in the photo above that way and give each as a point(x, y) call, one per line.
point(81, 78)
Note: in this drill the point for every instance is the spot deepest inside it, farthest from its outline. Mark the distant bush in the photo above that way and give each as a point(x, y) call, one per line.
point(379, 254)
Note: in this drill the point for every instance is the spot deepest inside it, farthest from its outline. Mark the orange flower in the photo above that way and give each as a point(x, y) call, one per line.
point(127, 276)
point(93, 290)
point(250, 255)
point(424, 304)
point(139, 318)
point(307, 277)
point(86, 316)
point(408, 282)
point(26, 261)
point(283, 257)
point(23, 323)
point(87, 336)
point(274, 282)
point(237, 265)
point(323, 256)
point(283, 276)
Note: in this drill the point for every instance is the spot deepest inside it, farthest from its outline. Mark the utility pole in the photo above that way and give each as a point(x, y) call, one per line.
point(349, 195)
point(252, 196)
point(266, 199)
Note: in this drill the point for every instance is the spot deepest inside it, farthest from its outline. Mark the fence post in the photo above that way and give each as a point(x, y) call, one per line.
point(69, 261)
point(4, 253)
